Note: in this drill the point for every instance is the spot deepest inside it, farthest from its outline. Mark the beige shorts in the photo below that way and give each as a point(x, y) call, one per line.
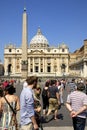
point(27, 127)
point(53, 104)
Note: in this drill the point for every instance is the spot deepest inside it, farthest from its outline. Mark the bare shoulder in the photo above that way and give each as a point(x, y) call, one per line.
point(15, 97)
point(1, 99)
point(12, 98)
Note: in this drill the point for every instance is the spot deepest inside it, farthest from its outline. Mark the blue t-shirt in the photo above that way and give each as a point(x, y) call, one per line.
point(26, 106)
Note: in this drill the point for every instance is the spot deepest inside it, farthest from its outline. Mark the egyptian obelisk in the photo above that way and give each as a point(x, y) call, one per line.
point(24, 62)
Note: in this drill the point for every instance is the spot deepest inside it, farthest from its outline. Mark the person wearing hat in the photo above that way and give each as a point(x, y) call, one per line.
point(77, 105)
point(9, 105)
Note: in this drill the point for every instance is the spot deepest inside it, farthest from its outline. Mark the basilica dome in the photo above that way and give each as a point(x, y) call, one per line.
point(39, 40)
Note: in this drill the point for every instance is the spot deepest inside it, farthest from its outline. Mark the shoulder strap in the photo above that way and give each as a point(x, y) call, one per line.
point(10, 105)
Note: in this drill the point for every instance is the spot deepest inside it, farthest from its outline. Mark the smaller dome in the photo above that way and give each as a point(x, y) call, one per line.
point(39, 38)
point(63, 45)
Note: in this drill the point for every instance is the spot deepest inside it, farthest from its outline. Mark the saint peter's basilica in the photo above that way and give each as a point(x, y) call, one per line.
point(41, 59)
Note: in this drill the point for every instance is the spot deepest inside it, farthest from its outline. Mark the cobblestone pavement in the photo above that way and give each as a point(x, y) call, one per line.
point(60, 128)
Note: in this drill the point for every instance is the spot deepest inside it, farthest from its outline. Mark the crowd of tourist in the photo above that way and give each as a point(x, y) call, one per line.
point(51, 95)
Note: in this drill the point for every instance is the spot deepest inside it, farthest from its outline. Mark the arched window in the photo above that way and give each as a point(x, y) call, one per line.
point(9, 68)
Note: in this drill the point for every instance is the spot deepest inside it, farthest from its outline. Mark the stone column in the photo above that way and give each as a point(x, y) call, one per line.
point(39, 66)
point(6, 66)
point(85, 69)
point(14, 65)
point(33, 66)
point(43, 65)
point(29, 65)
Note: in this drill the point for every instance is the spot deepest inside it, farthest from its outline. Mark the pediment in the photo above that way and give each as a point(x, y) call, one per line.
point(37, 52)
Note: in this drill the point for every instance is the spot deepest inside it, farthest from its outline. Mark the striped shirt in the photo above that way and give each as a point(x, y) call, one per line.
point(77, 99)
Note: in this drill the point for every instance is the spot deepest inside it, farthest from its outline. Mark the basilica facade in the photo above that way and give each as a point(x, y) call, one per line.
point(40, 59)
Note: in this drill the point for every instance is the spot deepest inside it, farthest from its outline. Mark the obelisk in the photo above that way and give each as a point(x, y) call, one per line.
point(24, 62)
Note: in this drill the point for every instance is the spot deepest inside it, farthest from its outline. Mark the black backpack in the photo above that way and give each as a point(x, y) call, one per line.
point(44, 93)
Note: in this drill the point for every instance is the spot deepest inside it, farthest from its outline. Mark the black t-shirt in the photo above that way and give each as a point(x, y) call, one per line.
point(52, 91)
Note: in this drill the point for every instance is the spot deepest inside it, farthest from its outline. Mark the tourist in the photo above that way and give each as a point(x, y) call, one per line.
point(45, 98)
point(60, 89)
point(27, 114)
point(9, 105)
point(71, 86)
point(86, 86)
point(1, 95)
point(53, 99)
point(77, 105)
point(37, 106)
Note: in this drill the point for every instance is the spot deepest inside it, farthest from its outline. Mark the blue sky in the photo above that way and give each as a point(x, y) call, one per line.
point(59, 20)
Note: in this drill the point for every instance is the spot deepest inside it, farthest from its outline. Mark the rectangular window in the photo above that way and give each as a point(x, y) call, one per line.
point(31, 70)
point(10, 50)
point(48, 69)
point(41, 70)
point(63, 50)
point(36, 68)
